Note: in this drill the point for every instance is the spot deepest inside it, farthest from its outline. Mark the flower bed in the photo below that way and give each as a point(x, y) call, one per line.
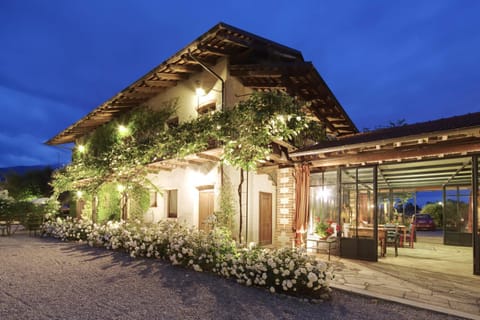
point(289, 271)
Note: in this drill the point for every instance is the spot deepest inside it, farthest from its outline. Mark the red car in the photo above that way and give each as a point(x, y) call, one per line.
point(424, 222)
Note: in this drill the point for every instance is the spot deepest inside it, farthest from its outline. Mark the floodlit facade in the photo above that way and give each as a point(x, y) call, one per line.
point(348, 180)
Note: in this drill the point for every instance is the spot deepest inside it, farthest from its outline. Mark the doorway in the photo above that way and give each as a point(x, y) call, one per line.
point(205, 209)
point(265, 218)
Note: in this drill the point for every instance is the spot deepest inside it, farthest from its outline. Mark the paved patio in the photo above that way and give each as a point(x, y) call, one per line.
point(430, 276)
point(441, 282)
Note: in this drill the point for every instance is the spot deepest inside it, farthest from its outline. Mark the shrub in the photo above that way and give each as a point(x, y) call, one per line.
point(289, 271)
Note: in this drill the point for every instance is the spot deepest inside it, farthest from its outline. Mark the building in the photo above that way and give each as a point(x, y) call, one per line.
point(349, 178)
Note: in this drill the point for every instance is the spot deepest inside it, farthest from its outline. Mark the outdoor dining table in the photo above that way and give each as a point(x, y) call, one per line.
point(368, 232)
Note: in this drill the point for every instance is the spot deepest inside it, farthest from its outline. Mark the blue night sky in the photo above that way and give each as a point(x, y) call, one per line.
point(384, 60)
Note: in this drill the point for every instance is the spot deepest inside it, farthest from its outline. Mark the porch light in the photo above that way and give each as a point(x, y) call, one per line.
point(199, 91)
point(81, 148)
point(122, 130)
point(120, 188)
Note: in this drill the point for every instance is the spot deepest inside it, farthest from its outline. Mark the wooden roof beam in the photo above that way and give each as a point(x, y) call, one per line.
point(256, 73)
point(214, 50)
point(160, 83)
point(171, 76)
point(392, 155)
point(137, 95)
point(127, 103)
point(185, 68)
point(231, 38)
point(154, 90)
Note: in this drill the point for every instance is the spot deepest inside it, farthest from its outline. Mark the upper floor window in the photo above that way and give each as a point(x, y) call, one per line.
point(206, 108)
point(172, 122)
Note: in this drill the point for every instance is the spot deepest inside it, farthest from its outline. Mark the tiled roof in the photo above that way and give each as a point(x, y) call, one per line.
point(460, 122)
point(260, 64)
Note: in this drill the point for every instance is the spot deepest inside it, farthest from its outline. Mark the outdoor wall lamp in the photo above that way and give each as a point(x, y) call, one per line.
point(123, 131)
point(120, 188)
point(199, 91)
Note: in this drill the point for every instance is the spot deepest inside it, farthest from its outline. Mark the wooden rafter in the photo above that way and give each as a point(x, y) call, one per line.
point(171, 76)
point(161, 83)
point(454, 147)
point(185, 68)
point(240, 46)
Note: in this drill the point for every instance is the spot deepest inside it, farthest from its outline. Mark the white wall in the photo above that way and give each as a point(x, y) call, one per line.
point(186, 181)
point(256, 184)
point(252, 187)
point(184, 92)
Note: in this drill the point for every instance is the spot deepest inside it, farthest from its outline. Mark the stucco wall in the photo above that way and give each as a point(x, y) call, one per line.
point(185, 93)
point(186, 181)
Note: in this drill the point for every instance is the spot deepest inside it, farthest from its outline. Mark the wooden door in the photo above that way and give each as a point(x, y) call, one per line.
point(265, 223)
point(205, 209)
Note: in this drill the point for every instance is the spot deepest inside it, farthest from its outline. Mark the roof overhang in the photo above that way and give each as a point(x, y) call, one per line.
point(292, 74)
point(460, 136)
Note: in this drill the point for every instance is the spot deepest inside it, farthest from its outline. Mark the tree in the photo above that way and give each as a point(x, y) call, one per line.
point(32, 184)
point(391, 124)
point(246, 132)
point(435, 210)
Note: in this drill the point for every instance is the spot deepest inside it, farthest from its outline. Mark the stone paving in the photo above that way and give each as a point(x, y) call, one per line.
point(434, 277)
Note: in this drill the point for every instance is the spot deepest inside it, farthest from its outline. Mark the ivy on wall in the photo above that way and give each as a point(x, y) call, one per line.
point(108, 203)
point(245, 132)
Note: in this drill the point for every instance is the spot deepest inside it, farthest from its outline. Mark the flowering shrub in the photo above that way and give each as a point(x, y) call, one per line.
point(67, 229)
point(326, 229)
point(291, 271)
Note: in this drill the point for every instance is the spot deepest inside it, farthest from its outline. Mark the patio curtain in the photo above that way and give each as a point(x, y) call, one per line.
point(302, 194)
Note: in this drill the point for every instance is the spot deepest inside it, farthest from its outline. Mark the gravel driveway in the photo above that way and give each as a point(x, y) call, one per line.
point(47, 279)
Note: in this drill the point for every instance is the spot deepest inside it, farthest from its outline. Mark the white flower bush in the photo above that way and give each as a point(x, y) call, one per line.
point(289, 271)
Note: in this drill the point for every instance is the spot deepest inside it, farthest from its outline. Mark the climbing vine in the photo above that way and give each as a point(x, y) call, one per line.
point(245, 132)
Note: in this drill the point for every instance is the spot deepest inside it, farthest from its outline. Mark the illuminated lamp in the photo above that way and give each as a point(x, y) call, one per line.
point(199, 91)
point(122, 130)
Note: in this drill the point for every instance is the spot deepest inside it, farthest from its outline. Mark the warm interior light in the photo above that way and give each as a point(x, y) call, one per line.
point(323, 194)
point(81, 148)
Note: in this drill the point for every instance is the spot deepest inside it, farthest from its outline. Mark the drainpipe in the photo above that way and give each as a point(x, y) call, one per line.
point(222, 106)
point(210, 70)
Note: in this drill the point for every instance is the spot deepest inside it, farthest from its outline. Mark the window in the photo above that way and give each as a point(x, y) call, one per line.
point(153, 199)
point(172, 122)
point(172, 210)
point(206, 108)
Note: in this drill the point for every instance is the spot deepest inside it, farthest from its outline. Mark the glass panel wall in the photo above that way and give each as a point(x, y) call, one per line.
point(342, 202)
point(358, 213)
point(358, 202)
point(458, 218)
point(323, 203)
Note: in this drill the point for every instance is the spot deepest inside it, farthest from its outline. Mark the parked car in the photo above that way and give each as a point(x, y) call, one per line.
point(424, 222)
